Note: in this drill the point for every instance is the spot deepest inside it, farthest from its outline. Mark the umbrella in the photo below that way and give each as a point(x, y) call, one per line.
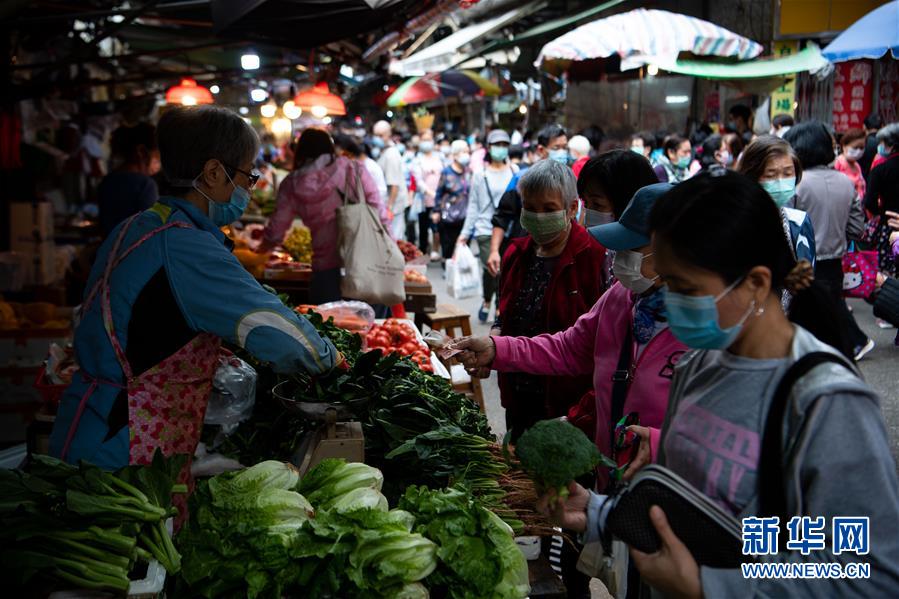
point(416, 90)
point(642, 36)
point(870, 37)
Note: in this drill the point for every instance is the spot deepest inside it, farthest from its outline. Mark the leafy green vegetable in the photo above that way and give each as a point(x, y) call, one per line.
point(555, 452)
point(82, 526)
point(333, 478)
point(477, 552)
point(248, 537)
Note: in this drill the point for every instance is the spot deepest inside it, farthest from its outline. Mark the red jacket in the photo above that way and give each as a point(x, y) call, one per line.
point(574, 288)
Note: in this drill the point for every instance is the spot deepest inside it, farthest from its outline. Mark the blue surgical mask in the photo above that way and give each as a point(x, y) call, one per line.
point(376, 153)
point(683, 162)
point(499, 153)
point(463, 159)
point(222, 214)
point(781, 190)
point(377, 142)
point(637, 150)
point(426, 147)
point(560, 156)
point(401, 148)
point(694, 320)
point(882, 150)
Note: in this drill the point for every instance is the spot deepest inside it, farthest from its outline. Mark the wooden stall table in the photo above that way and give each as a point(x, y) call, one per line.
point(450, 319)
point(293, 283)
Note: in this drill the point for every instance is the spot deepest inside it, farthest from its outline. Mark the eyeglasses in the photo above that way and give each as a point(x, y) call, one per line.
point(252, 177)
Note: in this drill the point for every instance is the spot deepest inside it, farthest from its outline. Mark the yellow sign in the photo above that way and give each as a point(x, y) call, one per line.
point(808, 17)
point(783, 98)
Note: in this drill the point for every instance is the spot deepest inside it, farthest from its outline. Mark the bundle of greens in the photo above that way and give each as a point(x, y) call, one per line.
point(80, 526)
point(346, 342)
point(252, 534)
point(476, 550)
point(555, 452)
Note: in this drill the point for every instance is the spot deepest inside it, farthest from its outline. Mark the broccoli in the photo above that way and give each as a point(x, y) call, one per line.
point(554, 452)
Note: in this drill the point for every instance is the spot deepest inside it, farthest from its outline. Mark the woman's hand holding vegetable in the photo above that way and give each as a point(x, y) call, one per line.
point(672, 569)
point(477, 352)
point(644, 452)
point(567, 512)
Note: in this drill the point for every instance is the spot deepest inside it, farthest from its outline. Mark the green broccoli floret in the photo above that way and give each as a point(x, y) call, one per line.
point(554, 452)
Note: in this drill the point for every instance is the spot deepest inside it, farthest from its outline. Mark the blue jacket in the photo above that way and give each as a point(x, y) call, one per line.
point(802, 234)
point(213, 293)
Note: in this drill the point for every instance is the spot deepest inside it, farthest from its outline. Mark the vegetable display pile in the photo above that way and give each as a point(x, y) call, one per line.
point(253, 534)
point(555, 452)
point(478, 555)
point(410, 250)
point(298, 244)
point(396, 336)
point(81, 527)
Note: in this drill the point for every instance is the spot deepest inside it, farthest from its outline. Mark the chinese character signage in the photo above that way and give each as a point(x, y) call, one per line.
point(853, 90)
point(783, 97)
point(888, 101)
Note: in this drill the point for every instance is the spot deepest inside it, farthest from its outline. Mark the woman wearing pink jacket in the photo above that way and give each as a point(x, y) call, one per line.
point(313, 192)
point(623, 340)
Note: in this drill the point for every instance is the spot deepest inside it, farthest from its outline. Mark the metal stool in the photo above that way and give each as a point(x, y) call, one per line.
point(449, 318)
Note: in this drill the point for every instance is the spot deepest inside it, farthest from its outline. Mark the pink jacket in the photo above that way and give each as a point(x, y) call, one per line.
point(593, 344)
point(311, 193)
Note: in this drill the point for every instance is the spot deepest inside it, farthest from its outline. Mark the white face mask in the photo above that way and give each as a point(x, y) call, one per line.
point(627, 267)
point(854, 153)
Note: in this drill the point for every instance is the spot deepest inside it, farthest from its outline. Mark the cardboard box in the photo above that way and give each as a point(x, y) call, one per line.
point(30, 223)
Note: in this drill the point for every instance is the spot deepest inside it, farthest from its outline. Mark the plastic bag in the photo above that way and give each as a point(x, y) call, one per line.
point(233, 393)
point(463, 274)
point(354, 316)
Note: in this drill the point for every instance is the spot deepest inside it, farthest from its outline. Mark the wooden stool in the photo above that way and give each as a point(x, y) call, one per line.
point(449, 318)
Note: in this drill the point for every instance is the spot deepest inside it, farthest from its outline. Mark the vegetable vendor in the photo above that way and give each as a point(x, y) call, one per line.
point(164, 292)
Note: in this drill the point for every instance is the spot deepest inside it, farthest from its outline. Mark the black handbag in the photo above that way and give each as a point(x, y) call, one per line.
point(712, 535)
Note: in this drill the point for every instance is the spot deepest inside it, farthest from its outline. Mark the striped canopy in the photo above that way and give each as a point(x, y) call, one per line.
point(642, 35)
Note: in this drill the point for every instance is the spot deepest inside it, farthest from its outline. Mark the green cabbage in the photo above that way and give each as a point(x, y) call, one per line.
point(477, 553)
point(333, 478)
point(360, 499)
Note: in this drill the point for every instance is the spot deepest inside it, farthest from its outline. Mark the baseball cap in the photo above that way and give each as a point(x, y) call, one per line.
point(498, 136)
point(631, 231)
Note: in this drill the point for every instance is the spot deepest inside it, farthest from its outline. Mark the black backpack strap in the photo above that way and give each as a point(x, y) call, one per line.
point(772, 489)
point(621, 379)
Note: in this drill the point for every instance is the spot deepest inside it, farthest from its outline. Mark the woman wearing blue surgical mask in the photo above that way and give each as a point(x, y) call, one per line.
point(771, 162)
point(719, 248)
point(882, 193)
point(676, 159)
point(487, 188)
point(163, 294)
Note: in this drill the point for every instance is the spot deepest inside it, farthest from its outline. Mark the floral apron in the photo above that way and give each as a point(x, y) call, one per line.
point(167, 402)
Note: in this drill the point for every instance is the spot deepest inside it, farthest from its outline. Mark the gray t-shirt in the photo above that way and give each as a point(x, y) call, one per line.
point(837, 456)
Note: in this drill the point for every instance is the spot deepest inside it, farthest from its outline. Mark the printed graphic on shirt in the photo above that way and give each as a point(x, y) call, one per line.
point(714, 455)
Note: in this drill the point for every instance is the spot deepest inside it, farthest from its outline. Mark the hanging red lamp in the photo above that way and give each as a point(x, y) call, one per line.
point(320, 102)
point(188, 93)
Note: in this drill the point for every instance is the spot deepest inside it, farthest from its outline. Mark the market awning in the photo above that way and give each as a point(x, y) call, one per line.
point(445, 53)
point(642, 36)
point(872, 36)
point(808, 60)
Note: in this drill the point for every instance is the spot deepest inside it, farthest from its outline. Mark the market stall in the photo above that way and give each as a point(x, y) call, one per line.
point(375, 478)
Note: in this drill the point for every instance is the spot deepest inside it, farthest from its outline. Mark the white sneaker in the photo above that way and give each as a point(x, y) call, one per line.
point(862, 351)
point(435, 256)
point(884, 324)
